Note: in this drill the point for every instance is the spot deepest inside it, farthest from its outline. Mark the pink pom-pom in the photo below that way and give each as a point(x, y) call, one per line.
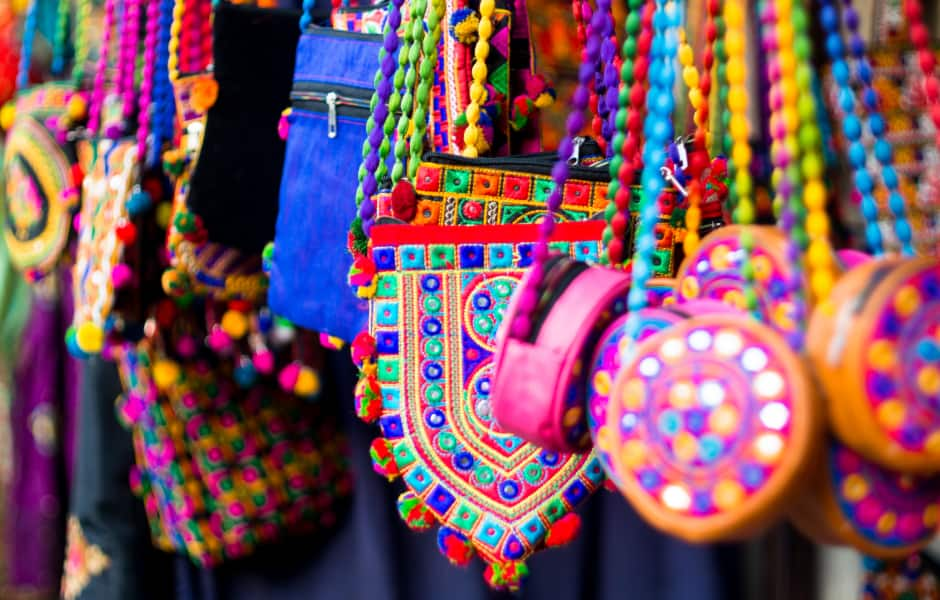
point(219, 341)
point(287, 378)
point(264, 362)
point(186, 347)
point(283, 127)
point(121, 275)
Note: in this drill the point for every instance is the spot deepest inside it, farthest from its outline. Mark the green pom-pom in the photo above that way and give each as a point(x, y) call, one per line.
point(414, 512)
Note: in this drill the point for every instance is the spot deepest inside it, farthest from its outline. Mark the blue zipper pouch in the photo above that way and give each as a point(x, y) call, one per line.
point(333, 83)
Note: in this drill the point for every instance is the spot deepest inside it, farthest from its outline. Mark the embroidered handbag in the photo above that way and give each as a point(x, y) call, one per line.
point(330, 105)
point(220, 470)
point(238, 168)
point(41, 172)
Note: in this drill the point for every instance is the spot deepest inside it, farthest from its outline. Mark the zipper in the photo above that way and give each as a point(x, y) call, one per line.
point(313, 96)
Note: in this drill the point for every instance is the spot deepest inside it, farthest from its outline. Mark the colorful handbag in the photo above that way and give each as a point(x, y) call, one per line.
point(42, 176)
point(437, 294)
point(222, 471)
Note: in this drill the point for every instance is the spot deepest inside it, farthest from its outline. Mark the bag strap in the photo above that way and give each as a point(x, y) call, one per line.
point(852, 127)
point(104, 53)
point(591, 54)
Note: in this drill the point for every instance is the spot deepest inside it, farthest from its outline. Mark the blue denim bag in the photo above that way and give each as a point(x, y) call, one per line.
point(333, 83)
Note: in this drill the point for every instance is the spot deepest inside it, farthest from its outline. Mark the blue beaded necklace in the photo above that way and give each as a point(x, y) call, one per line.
point(658, 131)
point(852, 128)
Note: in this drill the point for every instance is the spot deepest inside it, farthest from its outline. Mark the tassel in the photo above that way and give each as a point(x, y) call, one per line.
point(455, 546)
point(414, 513)
point(383, 462)
point(563, 530)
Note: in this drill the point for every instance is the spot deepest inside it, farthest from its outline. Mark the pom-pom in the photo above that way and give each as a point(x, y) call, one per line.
point(283, 124)
point(363, 347)
point(113, 131)
point(368, 399)
point(77, 107)
point(414, 513)
point(121, 275)
point(204, 94)
point(383, 462)
point(174, 161)
point(71, 344)
point(7, 115)
point(404, 202)
point(507, 575)
point(126, 233)
point(287, 378)
point(165, 374)
point(308, 383)
point(263, 361)
point(139, 202)
point(186, 346)
point(219, 341)
point(245, 374)
point(464, 25)
point(163, 213)
point(455, 546)
point(89, 337)
point(175, 283)
point(185, 222)
point(331, 342)
point(546, 98)
point(362, 274)
point(235, 324)
point(522, 108)
point(563, 530)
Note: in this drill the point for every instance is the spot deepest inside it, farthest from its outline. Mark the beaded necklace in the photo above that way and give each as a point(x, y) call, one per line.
point(60, 38)
point(408, 64)
point(429, 60)
point(164, 106)
point(920, 38)
point(629, 116)
point(580, 101)
point(852, 128)
point(30, 24)
point(98, 91)
point(658, 129)
point(145, 103)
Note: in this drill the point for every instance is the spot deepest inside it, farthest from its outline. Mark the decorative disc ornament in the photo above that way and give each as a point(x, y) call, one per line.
point(714, 271)
point(877, 356)
point(427, 371)
point(711, 423)
point(853, 501)
point(41, 180)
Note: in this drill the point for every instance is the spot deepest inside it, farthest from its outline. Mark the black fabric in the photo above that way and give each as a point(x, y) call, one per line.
point(235, 185)
point(110, 515)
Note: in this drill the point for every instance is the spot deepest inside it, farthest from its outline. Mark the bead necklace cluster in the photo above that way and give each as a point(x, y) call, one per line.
point(920, 38)
point(628, 126)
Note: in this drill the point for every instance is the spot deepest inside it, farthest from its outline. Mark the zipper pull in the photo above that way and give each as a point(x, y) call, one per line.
point(575, 158)
point(331, 120)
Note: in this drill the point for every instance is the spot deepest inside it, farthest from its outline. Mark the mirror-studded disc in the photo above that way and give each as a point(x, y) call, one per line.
point(40, 193)
point(714, 271)
point(878, 356)
point(885, 514)
point(711, 421)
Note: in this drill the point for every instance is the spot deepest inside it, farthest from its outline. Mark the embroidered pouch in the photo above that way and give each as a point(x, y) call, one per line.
point(427, 367)
point(326, 128)
point(221, 470)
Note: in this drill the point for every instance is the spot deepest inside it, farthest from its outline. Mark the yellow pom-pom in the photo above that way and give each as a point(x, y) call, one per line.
point(7, 115)
point(235, 324)
point(77, 107)
point(163, 213)
point(165, 374)
point(308, 383)
point(89, 337)
point(335, 342)
point(544, 100)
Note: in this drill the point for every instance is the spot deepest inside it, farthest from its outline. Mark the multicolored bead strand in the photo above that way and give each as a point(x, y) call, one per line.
point(659, 132)
point(473, 134)
point(580, 102)
point(920, 38)
point(145, 115)
point(408, 63)
point(30, 24)
point(628, 126)
point(777, 42)
point(380, 111)
point(429, 59)
point(738, 127)
point(97, 93)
